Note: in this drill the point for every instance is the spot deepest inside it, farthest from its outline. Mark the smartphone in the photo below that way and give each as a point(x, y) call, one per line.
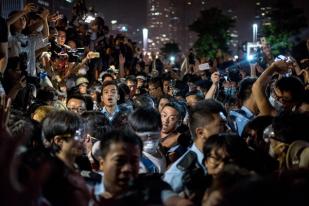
point(204, 66)
point(95, 54)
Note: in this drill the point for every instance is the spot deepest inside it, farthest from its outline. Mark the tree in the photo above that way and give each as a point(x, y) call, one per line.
point(170, 48)
point(212, 28)
point(286, 21)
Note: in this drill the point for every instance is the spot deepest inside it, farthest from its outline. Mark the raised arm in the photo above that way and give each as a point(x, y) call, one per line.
point(215, 77)
point(258, 88)
point(27, 9)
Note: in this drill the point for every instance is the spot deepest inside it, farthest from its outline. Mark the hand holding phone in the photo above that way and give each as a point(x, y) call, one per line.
point(93, 55)
point(203, 67)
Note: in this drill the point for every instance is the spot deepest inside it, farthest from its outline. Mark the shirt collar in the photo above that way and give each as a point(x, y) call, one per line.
point(110, 115)
point(248, 112)
point(200, 155)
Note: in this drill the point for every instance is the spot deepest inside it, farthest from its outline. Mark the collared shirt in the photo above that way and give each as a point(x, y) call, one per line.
point(241, 119)
point(110, 116)
point(173, 175)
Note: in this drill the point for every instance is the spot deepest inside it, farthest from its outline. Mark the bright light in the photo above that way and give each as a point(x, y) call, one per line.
point(250, 57)
point(255, 29)
point(124, 29)
point(114, 21)
point(235, 57)
point(89, 18)
point(172, 59)
point(145, 38)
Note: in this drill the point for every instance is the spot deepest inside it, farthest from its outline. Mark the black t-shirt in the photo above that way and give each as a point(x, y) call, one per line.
point(3, 30)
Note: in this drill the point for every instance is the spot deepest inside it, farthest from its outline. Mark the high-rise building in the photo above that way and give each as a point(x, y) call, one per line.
point(263, 11)
point(169, 20)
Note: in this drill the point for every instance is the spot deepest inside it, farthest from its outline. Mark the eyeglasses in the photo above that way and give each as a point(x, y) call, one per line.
point(78, 136)
point(76, 109)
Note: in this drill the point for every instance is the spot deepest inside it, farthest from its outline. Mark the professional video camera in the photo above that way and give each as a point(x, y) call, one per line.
point(72, 55)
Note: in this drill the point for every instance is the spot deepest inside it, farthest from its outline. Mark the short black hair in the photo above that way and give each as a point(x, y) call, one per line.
point(157, 82)
point(198, 94)
point(76, 96)
point(143, 101)
point(131, 78)
point(119, 136)
point(59, 123)
point(107, 83)
point(202, 114)
point(292, 84)
point(180, 108)
point(245, 88)
point(106, 75)
point(145, 120)
point(96, 124)
point(235, 147)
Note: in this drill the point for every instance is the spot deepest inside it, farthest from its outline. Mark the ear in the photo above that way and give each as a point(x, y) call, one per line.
point(102, 97)
point(101, 164)
point(118, 97)
point(58, 141)
point(199, 132)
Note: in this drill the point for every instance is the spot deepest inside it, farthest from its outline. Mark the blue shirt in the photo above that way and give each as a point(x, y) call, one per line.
point(173, 175)
point(241, 120)
point(110, 116)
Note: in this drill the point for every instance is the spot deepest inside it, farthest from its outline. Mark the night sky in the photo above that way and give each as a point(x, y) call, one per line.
point(133, 12)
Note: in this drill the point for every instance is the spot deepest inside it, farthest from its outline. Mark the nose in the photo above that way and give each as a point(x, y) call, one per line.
point(127, 168)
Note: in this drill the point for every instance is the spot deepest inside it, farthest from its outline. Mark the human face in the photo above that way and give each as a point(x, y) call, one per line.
point(120, 167)
point(162, 103)
point(83, 88)
point(169, 119)
point(154, 91)
point(61, 37)
point(166, 86)
point(73, 147)
point(215, 161)
point(140, 83)
point(20, 24)
point(110, 95)
point(131, 85)
point(283, 97)
point(191, 100)
point(94, 26)
point(76, 105)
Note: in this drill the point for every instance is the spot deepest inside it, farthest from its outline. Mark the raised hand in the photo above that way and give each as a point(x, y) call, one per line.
point(122, 59)
point(44, 15)
point(29, 8)
point(215, 77)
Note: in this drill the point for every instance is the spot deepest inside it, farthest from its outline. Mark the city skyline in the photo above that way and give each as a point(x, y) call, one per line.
point(174, 16)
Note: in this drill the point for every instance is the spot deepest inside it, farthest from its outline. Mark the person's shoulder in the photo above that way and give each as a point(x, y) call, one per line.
point(174, 167)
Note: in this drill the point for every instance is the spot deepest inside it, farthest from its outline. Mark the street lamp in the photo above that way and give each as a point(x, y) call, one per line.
point(145, 38)
point(255, 28)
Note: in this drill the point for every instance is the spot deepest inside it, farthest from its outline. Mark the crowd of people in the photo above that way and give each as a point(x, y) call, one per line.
point(88, 118)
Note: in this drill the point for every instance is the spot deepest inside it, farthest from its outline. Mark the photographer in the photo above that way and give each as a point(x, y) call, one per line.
point(27, 44)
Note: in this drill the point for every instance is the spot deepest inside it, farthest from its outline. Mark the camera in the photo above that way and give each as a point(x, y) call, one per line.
point(76, 55)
